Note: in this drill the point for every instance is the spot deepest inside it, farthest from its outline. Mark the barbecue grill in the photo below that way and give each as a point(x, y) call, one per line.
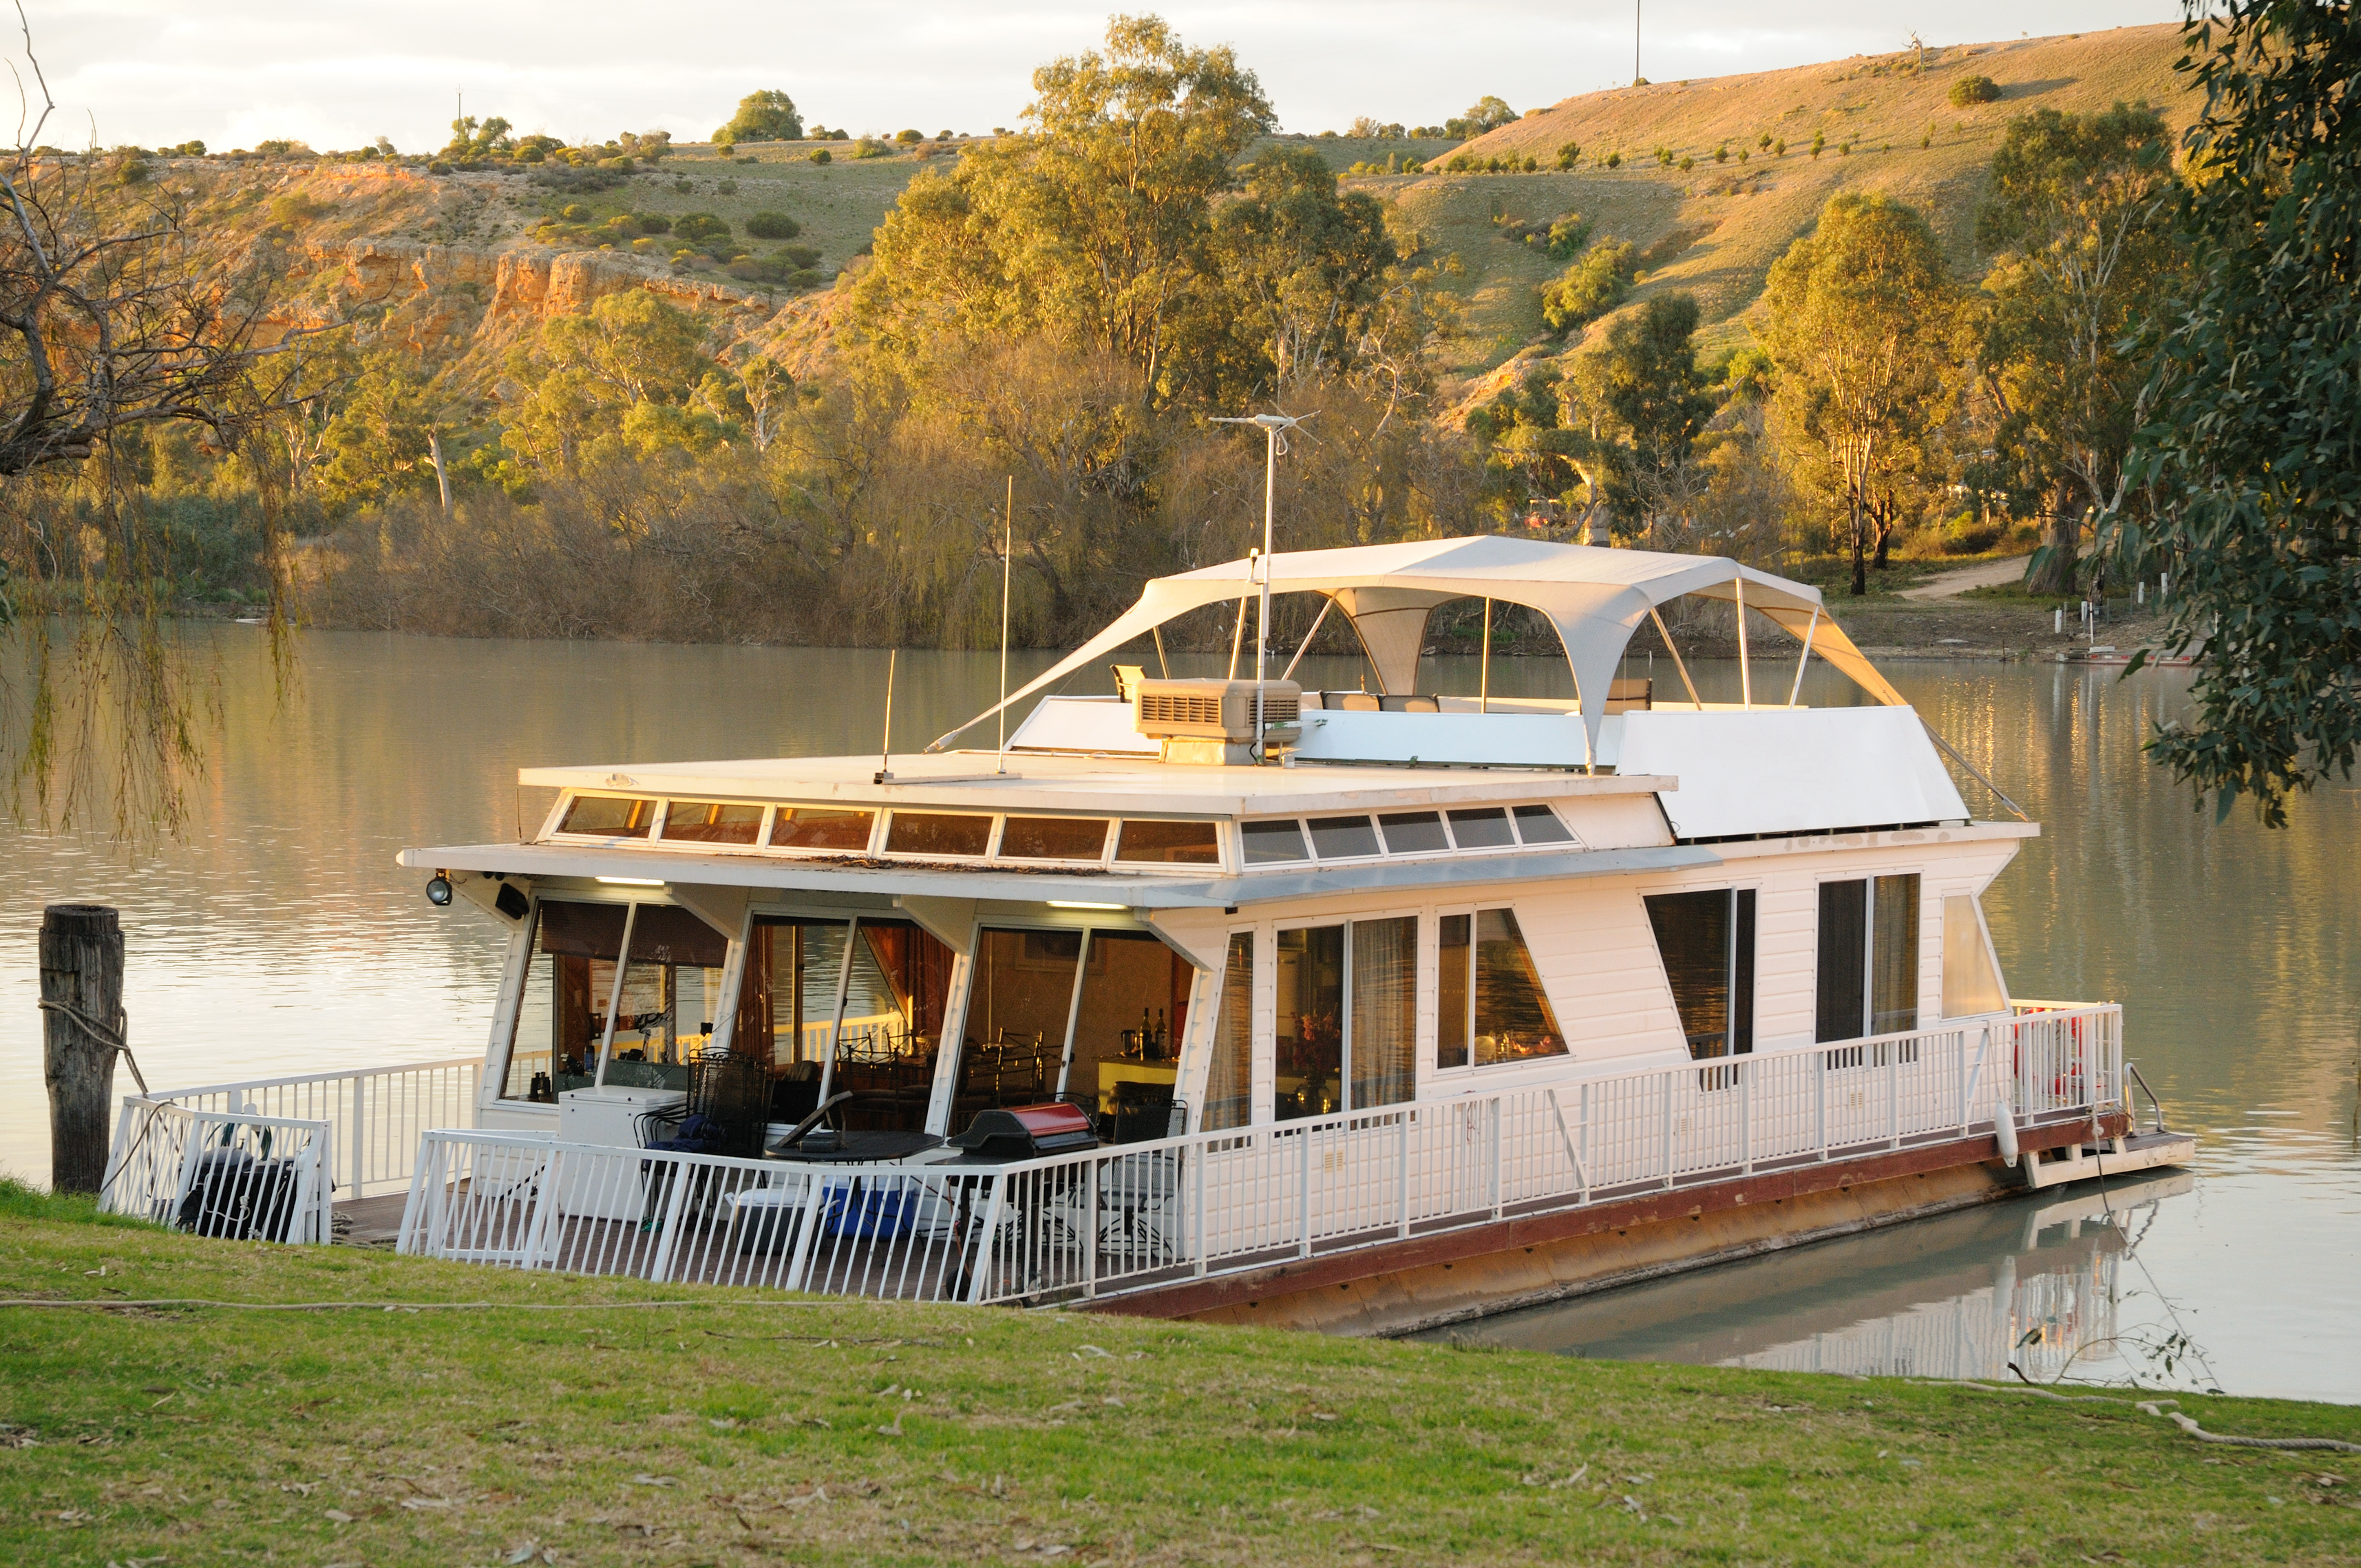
point(1024, 1131)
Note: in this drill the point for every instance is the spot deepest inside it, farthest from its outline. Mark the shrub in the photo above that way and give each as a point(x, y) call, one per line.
point(1819, 141)
point(870, 147)
point(907, 137)
point(575, 212)
point(1970, 90)
point(773, 225)
point(725, 187)
point(1614, 160)
point(800, 257)
point(1592, 287)
point(1721, 153)
point(1569, 235)
point(1532, 163)
point(1779, 149)
point(653, 223)
point(1687, 164)
point(699, 227)
point(1569, 154)
point(820, 155)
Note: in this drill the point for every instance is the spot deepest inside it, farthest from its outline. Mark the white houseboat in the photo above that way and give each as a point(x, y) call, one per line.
point(1231, 999)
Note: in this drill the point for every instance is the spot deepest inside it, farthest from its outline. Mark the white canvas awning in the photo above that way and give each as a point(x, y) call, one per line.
point(1595, 598)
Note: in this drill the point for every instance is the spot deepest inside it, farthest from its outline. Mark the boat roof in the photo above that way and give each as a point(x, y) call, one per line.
point(1595, 598)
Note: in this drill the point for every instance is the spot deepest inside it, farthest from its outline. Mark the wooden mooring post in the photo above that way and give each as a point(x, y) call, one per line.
point(82, 1026)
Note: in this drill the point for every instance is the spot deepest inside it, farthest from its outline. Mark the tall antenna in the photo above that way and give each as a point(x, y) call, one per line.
point(1007, 550)
point(1635, 42)
point(1274, 428)
point(886, 749)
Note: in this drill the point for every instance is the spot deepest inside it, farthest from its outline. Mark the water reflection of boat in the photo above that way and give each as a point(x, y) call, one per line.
point(1958, 1296)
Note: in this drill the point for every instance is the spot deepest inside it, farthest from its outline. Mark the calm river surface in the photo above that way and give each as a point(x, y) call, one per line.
point(279, 936)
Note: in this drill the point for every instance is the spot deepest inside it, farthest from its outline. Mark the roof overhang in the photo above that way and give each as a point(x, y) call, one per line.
point(786, 876)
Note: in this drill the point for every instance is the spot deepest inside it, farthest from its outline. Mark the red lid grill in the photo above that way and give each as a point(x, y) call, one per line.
point(1024, 1131)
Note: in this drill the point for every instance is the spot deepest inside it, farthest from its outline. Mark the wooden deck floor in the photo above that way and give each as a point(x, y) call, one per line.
point(370, 1222)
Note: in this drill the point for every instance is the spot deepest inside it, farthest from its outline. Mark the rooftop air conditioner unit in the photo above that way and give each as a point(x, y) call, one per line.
point(1212, 722)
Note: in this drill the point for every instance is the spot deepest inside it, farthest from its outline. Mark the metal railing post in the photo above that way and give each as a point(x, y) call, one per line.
point(1666, 1079)
point(1197, 1206)
point(660, 1270)
point(1745, 1119)
point(1499, 1156)
point(1820, 1106)
point(1893, 1094)
point(1303, 1248)
point(360, 1139)
point(807, 1233)
point(1090, 1219)
point(1403, 1159)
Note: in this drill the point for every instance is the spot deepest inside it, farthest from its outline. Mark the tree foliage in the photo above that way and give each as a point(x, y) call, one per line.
point(1865, 326)
point(1593, 285)
point(2085, 260)
point(2257, 431)
point(768, 114)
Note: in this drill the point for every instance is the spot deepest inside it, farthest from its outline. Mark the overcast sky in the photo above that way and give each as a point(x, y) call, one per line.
point(339, 74)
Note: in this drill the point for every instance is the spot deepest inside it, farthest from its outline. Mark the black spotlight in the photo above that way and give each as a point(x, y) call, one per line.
point(438, 891)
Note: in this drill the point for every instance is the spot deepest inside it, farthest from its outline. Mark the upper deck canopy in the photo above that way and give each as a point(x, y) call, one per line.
point(1597, 599)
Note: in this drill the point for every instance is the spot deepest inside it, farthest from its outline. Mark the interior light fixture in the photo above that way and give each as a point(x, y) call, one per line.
point(632, 880)
point(1070, 903)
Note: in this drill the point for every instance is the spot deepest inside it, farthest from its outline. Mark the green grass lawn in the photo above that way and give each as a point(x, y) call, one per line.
point(727, 1431)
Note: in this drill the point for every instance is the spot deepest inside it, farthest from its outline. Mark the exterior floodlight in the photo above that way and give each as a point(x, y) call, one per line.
point(438, 891)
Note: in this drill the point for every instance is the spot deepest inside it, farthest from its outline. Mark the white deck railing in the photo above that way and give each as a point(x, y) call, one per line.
point(377, 1114)
point(1135, 1215)
point(243, 1176)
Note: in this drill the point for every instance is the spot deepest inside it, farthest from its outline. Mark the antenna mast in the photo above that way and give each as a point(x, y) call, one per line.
point(1274, 427)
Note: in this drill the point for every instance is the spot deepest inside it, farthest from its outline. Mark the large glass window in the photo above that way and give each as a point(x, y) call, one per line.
point(1347, 1017)
point(894, 1000)
point(1707, 942)
point(1229, 1077)
point(1971, 978)
point(1868, 978)
point(1266, 842)
point(1490, 1005)
point(664, 1012)
point(1127, 1030)
point(1016, 1014)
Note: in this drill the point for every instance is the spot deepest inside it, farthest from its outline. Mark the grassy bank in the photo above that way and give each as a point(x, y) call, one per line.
point(567, 1426)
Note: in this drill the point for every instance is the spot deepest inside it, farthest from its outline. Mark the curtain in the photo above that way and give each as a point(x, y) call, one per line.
point(1893, 957)
point(1385, 1012)
point(1229, 1078)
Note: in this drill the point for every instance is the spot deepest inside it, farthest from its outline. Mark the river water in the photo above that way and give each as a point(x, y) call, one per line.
point(279, 936)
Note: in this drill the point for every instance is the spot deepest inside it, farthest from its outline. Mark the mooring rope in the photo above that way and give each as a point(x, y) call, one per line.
point(103, 1034)
point(2156, 1407)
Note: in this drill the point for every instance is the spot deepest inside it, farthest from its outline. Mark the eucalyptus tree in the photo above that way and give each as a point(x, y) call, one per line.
point(2257, 434)
point(2079, 221)
point(1864, 327)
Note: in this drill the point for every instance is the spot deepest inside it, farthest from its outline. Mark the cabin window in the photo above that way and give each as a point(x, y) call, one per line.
point(1868, 981)
point(1229, 1076)
point(1540, 825)
point(672, 981)
point(1054, 839)
point(1017, 1009)
point(936, 833)
point(1706, 943)
point(1413, 832)
point(1486, 828)
point(711, 822)
point(818, 827)
point(894, 1000)
point(1489, 1001)
point(1346, 1019)
point(1269, 842)
point(1169, 843)
point(1123, 1056)
point(1343, 837)
point(1971, 978)
point(609, 816)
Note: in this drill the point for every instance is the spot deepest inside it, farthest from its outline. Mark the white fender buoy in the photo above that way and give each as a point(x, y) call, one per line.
point(2005, 1132)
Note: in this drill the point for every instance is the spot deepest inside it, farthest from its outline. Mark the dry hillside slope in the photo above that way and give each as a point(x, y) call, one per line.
point(1715, 228)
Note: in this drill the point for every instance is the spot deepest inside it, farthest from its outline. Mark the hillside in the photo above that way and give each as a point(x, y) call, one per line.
point(1717, 229)
point(455, 262)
